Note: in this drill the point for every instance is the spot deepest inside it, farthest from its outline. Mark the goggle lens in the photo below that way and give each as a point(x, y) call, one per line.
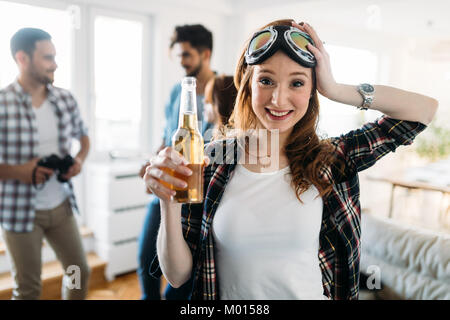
point(299, 40)
point(260, 41)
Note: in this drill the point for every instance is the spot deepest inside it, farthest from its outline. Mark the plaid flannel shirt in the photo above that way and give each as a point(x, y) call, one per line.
point(339, 239)
point(18, 145)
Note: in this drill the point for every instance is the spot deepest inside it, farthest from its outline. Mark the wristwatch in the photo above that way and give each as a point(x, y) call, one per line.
point(367, 91)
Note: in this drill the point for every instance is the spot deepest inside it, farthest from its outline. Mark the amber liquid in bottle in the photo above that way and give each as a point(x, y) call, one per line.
point(188, 141)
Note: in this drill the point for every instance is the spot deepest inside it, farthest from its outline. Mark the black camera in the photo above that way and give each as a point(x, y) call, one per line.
point(60, 165)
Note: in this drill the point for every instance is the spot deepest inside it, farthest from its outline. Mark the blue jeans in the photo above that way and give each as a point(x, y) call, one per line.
point(150, 286)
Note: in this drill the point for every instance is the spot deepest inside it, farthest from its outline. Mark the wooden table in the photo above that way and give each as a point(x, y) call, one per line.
point(418, 185)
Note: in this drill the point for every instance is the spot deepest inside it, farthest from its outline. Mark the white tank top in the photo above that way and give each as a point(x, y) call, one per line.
point(267, 242)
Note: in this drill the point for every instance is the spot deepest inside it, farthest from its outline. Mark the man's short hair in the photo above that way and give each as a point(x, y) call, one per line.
point(25, 39)
point(197, 35)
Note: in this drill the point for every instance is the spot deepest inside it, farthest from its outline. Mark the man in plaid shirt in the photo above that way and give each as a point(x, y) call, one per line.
point(36, 120)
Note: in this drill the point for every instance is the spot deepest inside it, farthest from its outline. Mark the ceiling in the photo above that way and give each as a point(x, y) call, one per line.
point(404, 17)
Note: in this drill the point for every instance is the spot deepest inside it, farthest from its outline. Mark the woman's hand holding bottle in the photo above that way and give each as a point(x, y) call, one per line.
point(159, 175)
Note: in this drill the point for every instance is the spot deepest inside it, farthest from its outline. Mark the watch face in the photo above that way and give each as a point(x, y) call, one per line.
point(367, 88)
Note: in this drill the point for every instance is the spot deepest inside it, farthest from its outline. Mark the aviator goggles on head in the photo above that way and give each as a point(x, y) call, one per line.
point(291, 40)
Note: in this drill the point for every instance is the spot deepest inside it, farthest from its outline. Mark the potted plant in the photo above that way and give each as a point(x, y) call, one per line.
point(434, 143)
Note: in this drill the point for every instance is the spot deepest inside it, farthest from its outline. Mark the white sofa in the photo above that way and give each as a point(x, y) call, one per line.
point(412, 263)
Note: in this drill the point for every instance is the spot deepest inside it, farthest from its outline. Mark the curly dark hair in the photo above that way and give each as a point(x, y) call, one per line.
point(197, 35)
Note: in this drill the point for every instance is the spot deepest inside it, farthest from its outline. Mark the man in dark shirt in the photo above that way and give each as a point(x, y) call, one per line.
point(192, 45)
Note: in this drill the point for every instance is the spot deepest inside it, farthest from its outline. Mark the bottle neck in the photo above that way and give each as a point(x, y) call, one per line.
point(188, 108)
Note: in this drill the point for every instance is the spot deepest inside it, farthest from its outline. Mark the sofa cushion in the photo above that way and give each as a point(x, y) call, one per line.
point(414, 263)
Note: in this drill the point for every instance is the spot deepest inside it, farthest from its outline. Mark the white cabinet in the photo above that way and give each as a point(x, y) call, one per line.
point(116, 204)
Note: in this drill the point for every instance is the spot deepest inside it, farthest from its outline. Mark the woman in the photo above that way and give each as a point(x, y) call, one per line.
point(220, 94)
point(294, 232)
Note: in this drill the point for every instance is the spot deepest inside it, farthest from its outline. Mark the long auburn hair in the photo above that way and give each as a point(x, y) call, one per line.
point(307, 154)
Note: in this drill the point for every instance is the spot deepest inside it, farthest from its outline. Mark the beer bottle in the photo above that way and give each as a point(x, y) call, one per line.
point(188, 141)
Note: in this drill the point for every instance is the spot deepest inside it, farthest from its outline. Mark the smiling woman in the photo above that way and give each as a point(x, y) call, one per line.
point(291, 231)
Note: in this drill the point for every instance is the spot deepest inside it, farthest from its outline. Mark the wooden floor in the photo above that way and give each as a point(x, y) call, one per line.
point(124, 287)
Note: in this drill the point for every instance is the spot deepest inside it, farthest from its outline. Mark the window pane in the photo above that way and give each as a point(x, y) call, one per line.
point(56, 22)
point(118, 78)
